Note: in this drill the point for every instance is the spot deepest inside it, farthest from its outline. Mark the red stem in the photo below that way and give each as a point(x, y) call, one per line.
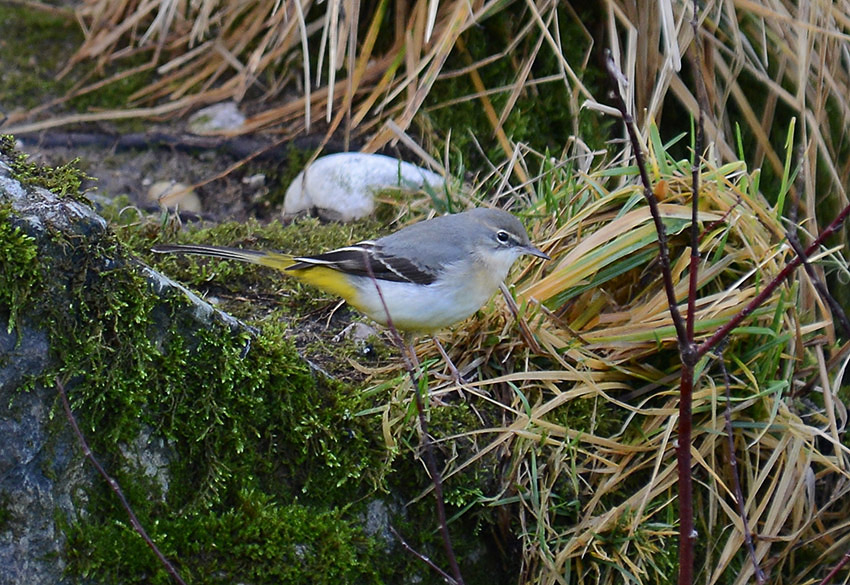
point(113, 485)
point(760, 298)
point(687, 534)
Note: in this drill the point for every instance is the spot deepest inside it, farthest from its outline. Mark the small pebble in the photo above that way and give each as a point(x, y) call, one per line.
point(174, 195)
point(217, 118)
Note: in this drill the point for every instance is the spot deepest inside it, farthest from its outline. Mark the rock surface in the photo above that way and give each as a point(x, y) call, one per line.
point(44, 478)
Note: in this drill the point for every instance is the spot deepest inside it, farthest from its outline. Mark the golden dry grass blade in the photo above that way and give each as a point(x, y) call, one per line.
point(590, 441)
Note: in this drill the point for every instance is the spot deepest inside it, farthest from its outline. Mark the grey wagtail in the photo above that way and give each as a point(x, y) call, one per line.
point(429, 274)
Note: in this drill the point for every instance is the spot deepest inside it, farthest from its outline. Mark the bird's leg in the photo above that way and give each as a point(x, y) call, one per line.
point(455, 373)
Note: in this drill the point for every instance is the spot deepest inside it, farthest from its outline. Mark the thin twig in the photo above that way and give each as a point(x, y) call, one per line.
point(829, 579)
point(722, 219)
point(836, 310)
point(687, 532)
point(113, 485)
point(446, 577)
point(427, 441)
point(685, 482)
point(793, 238)
point(614, 77)
point(695, 174)
point(736, 481)
point(771, 286)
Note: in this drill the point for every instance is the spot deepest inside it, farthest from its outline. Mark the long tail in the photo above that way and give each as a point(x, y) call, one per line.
point(270, 259)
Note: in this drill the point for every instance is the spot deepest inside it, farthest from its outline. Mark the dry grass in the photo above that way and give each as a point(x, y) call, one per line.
point(315, 63)
point(586, 436)
point(366, 70)
point(764, 61)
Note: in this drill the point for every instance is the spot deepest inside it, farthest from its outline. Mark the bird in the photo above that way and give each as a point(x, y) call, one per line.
point(421, 278)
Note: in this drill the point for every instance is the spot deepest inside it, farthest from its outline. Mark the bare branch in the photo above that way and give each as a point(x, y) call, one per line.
point(446, 577)
point(113, 485)
point(736, 481)
point(771, 286)
point(614, 78)
point(794, 239)
point(427, 441)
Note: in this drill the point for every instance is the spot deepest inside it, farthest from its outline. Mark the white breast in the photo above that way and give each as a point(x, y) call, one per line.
point(415, 307)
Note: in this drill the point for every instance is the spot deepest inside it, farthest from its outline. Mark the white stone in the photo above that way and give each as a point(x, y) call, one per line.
point(216, 118)
point(342, 187)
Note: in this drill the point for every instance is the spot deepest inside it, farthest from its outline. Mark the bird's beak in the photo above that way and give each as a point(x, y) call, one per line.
point(531, 250)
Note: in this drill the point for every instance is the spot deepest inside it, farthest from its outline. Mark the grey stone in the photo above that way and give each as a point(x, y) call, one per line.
point(44, 476)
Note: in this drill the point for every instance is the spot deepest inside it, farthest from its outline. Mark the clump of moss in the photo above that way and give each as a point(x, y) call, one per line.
point(20, 277)
point(258, 423)
point(36, 44)
point(221, 409)
point(64, 180)
point(239, 414)
point(256, 540)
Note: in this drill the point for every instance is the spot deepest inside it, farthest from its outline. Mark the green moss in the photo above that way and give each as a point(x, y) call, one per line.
point(239, 414)
point(255, 541)
point(34, 47)
point(224, 412)
point(268, 466)
point(259, 423)
point(655, 542)
point(117, 92)
point(20, 277)
point(64, 180)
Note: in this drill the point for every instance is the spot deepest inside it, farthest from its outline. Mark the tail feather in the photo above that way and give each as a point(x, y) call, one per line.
point(270, 259)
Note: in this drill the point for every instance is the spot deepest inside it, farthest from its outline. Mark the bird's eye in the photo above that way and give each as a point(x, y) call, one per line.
point(503, 236)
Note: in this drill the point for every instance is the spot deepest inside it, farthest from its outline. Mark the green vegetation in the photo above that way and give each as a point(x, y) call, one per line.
point(564, 457)
point(65, 180)
point(541, 117)
point(256, 540)
point(263, 467)
point(34, 48)
point(259, 424)
point(20, 277)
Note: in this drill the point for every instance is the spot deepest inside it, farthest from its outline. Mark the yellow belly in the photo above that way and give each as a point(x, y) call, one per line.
point(328, 280)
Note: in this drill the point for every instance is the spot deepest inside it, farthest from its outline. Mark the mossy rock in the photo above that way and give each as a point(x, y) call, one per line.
point(242, 463)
